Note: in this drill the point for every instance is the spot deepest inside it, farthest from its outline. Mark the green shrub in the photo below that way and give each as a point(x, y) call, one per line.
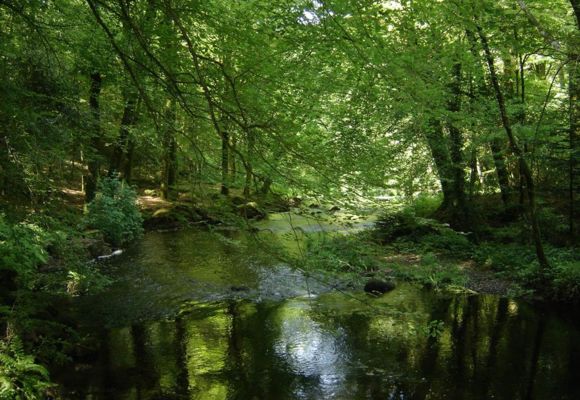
point(566, 281)
point(555, 226)
point(448, 242)
point(22, 248)
point(425, 205)
point(519, 263)
point(431, 273)
point(393, 225)
point(348, 253)
point(410, 233)
point(504, 257)
point(512, 261)
point(20, 376)
point(115, 213)
point(514, 233)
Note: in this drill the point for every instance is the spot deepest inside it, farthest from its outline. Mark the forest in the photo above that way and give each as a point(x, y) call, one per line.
point(290, 199)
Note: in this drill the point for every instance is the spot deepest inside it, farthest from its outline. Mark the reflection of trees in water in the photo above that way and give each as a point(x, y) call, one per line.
point(182, 384)
point(144, 365)
point(235, 365)
point(496, 353)
point(139, 362)
point(430, 362)
point(534, 359)
point(489, 347)
point(492, 357)
point(207, 352)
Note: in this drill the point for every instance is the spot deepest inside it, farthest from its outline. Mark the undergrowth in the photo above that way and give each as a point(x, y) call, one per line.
point(43, 261)
point(358, 256)
point(437, 254)
point(114, 212)
point(342, 254)
point(20, 376)
point(518, 263)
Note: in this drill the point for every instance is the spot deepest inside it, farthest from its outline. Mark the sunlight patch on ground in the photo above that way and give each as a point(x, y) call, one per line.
point(152, 202)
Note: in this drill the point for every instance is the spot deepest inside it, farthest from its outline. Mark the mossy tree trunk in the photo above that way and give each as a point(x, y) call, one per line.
point(514, 147)
point(574, 96)
point(169, 171)
point(120, 156)
point(94, 153)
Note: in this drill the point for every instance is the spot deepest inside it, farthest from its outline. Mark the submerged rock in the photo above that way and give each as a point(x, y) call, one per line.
point(377, 286)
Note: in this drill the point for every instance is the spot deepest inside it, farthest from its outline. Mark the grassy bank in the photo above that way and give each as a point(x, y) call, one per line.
point(408, 245)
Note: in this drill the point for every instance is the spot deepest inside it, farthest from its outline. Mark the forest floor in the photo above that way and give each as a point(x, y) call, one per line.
point(482, 281)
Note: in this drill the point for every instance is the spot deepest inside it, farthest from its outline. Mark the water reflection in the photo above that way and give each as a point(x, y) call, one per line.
point(336, 347)
point(285, 336)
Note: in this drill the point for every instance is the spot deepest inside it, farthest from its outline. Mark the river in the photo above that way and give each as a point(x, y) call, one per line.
point(200, 314)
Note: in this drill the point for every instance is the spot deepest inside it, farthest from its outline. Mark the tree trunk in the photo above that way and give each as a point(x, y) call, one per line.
point(169, 172)
point(574, 138)
point(121, 149)
point(574, 95)
point(497, 151)
point(474, 174)
point(460, 217)
point(265, 186)
point(521, 91)
point(225, 137)
point(128, 165)
point(496, 145)
point(248, 163)
point(530, 189)
point(576, 8)
point(440, 153)
point(94, 154)
point(233, 161)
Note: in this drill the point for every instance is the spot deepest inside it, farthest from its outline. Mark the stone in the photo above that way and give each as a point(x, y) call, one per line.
point(95, 244)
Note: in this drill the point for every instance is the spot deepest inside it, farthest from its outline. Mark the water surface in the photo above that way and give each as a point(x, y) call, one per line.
point(204, 315)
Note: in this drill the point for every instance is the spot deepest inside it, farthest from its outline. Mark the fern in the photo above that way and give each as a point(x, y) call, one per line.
point(22, 248)
point(21, 378)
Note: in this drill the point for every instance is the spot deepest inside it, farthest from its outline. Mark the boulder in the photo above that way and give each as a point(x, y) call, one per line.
point(95, 244)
